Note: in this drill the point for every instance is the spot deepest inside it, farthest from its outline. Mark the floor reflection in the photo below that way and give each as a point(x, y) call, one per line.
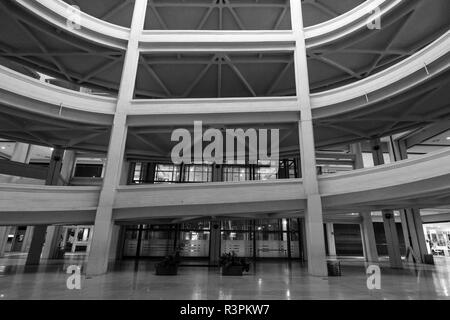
point(266, 280)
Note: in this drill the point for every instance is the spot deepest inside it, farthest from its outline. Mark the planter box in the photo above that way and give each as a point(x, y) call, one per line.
point(232, 271)
point(166, 271)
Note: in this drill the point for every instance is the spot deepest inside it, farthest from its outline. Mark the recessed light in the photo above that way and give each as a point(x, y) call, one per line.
point(448, 138)
point(3, 148)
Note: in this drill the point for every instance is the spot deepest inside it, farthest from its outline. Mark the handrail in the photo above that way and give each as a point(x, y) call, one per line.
point(319, 34)
point(347, 23)
point(208, 105)
point(384, 78)
point(59, 12)
point(390, 166)
point(193, 186)
point(23, 85)
point(337, 191)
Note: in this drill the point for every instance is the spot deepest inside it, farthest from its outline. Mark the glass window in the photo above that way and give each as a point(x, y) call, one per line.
point(194, 243)
point(288, 169)
point(266, 173)
point(292, 169)
point(159, 226)
point(295, 236)
point(88, 170)
point(268, 225)
point(156, 235)
point(137, 173)
point(238, 236)
point(167, 173)
point(197, 173)
point(196, 225)
point(269, 236)
point(293, 224)
point(237, 225)
point(236, 173)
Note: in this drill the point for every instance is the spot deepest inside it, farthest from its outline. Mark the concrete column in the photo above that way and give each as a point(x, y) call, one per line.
point(20, 154)
point(330, 239)
point(390, 230)
point(4, 232)
point(34, 253)
point(40, 232)
point(217, 173)
point(215, 234)
point(315, 240)
point(54, 233)
point(411, 219)
point(68, 165)
point(125, 174)
point(101, 242)
point(313, 213)
point(367, 231)
point(114, 242)
point(368, 237)
point(302, 229)
point(417, 226)
point(214, 243)
point(54, 168)
point(52, 242)
point(27, 239)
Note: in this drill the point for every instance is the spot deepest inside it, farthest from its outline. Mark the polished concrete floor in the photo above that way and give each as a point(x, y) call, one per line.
point(266, 280)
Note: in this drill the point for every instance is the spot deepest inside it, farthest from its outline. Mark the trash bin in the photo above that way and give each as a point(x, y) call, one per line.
point(334, 268)
point(428, 259)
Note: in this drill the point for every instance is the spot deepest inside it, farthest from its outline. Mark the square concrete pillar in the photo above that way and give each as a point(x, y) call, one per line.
point(4, 232)
point(330, 239)
point(368, 238)
point(214, 244)
point(390, 229)
point(315, 239)
point(115, 237)
point(37, 242)
point(393, 244)
point(52, 242)
point(103, 229)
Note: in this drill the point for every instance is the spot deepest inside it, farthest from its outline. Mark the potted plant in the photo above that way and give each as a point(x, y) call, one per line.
point(232, 265)
point(169, 266)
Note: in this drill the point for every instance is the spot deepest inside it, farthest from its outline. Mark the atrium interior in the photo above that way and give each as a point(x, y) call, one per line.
point(310, 138)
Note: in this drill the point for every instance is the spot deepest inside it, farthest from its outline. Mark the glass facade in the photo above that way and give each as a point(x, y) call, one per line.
point(167, 173)
point(278, 238)
point(236, 173)
point(197, 173)
point(437, 237)
point(84, 170)
point(147, 172)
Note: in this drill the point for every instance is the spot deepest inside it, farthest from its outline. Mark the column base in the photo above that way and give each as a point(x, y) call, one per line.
point(317, 265)
point(99, 253)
